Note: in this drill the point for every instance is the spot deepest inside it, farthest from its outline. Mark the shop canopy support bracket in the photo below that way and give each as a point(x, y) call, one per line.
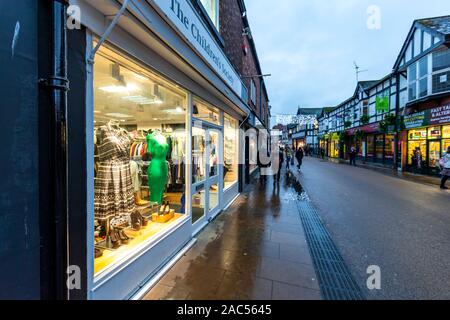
point(108, 31)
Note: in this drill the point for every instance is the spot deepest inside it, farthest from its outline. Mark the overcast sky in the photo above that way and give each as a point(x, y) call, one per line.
point(309, 45)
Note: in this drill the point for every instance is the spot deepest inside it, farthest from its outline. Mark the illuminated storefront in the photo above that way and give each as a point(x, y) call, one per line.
point(428, 135)
point(162, 143)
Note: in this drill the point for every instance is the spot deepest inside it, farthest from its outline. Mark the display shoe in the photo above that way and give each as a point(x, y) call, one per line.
point(115, 240)
point(123, 237)
point(98, 253)
point(167, 209)
point(138, 200)
point(162, 209)
point(136, 220)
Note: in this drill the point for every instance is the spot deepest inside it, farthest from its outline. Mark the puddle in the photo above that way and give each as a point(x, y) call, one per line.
point(296, 191)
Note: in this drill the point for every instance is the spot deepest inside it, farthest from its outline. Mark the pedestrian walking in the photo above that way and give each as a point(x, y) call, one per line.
point(445, 164)
point(322, 153)
point(299, 155)
point(352, 154)
point(280, 165)
point(417, 161)
point(288, 158)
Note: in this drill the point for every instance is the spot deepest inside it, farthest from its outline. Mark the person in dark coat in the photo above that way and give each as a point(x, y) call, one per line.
point(299, 155)
point(353, 154)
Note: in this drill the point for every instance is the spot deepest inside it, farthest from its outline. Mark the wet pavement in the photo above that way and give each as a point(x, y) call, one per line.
point(402, 226)
point(255, 250)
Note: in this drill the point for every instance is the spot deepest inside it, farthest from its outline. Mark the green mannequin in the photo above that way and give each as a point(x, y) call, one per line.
point(157, 171)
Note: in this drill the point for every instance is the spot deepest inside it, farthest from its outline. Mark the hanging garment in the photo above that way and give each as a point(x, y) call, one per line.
point(113, 192)
point(135, 175)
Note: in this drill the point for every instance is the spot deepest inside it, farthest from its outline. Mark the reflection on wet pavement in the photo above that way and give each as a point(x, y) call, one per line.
point(254, 250)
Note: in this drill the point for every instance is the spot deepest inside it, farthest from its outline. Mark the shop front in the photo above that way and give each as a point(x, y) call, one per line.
point(162, 143)
point(372, 145)
point(299, 140)
point(427, 139)
point(334, 145)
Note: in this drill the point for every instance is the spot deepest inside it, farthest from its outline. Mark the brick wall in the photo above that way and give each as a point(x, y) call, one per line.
point(244, 61)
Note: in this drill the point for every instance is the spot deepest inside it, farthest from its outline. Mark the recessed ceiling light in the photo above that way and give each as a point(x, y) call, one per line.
point(119, 89)
point(119, 115)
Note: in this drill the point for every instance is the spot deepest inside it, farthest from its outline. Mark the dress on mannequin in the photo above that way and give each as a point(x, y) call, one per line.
point(113, 192)
point(157, 171)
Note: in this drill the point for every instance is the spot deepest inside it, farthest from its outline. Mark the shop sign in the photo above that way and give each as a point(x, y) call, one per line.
point(299, 135)
point(416, 120)
point(370, 128)
point(440, 115)
point(183, 16)
point(435, 116)
point(382, 103)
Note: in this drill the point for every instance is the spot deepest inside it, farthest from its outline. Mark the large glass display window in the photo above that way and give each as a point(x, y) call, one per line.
point(140, 158)
point(231, 159)
point(205, 112)
point(389, 149)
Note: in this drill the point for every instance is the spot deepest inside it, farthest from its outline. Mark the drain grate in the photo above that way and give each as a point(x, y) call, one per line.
point(335, 279)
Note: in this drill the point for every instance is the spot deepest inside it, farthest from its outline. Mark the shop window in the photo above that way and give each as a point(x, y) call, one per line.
point(445, 145)
point(417, 134)
point(434, 133)
point(389, 147)
point(370, 146)
point(379, 145)
point(198, 154)
point(205, 112)
point(446, 132)
point(212, 8)
point(416, 146)
point(231, 144)
point(139, 160)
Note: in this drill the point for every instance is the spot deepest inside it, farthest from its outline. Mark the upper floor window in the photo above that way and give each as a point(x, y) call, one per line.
point(441, 71)
point(253, 91)
point(212, 8)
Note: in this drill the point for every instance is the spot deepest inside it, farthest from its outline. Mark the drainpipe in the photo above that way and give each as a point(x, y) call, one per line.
point(108, 31)
point(57, 85)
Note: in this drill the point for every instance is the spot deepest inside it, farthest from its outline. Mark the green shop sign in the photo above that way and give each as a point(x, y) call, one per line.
point(382, 103)
point(417, 120)
point(432, 117)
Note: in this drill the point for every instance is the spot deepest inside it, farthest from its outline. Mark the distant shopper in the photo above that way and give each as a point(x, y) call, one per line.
point(417, 161)
point(352, 154)
point(299, 155)
point(445, 163)
point(280, 165)
point(288, 158)
point(322, 153)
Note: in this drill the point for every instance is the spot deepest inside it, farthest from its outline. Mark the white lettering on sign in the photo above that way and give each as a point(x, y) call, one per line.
point(183, 16)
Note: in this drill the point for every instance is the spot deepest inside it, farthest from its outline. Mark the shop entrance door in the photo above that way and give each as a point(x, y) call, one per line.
point(207, 189)
point(434, 154)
